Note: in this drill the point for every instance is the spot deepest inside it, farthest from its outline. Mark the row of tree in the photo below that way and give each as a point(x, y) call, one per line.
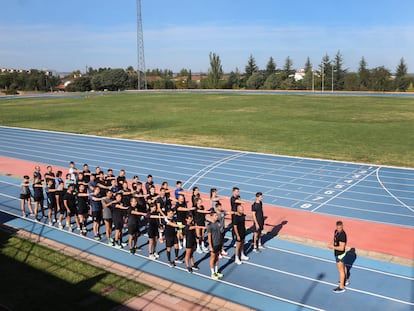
point(330, 74)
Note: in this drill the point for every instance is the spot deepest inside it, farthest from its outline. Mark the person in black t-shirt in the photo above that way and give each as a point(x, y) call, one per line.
point(189, 232)
point(339, 247)
point(171, 236)
point(239, 229)
point(149, 183)
point(258, 221)
point(69, 202)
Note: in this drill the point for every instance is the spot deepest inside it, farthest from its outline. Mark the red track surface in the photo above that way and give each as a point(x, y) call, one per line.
point(363, 235)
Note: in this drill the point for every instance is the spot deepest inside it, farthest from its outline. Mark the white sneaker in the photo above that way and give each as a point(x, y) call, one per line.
point(199, 250)
point(152, 257)
point(156, 255)
point(205, 249)
point(238, 261)
point(244, 257)
point(224, 253)
point(262, 246)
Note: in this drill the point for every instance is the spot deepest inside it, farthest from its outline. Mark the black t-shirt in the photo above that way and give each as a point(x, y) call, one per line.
point(239, 221)
point(169, 231)
point(148, 186)
point(70, 199)
point(190, 235)
point(132, 218)
point(181, 214)
point(233, 203)
point(339, 237)
point(258, 208)
point(165, 204)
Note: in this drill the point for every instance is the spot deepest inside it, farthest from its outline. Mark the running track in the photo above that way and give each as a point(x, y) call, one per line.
point(286, 276)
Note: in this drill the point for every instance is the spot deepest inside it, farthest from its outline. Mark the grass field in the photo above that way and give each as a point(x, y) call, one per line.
point(36, 278)
point(351, 128)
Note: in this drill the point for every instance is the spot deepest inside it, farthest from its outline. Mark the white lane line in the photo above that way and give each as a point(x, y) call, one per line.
point(328, 283)
point(331, 261)
point(343, 191)
point(392, 195)
point(209, 168)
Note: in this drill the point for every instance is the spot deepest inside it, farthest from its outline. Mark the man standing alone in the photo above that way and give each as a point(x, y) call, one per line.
point(339, 247)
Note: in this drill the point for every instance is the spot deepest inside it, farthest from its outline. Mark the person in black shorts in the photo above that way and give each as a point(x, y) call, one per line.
point(95, 201)
point(25, 196)
point(38, 197)
point(190, 237)
point(215, 242)
point(235, 201)
point(134, 215)
point(200, 221)
point(181, 210)
point(69, 201)
point(153, 225)
point(221, 214)
point(171, 237)
point(339, 247)
point(118, 219)
point(51, 200)
point(83, 206)
point(258, 221)
point(239, 229)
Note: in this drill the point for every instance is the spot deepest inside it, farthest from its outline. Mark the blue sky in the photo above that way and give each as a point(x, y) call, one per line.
point(70, 35)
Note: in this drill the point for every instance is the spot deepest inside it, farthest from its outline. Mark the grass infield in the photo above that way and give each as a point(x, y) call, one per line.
point(368, 129)
point(37, 278)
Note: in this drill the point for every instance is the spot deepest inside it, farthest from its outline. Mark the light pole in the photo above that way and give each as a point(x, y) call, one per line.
point(323, 74)
point(332, 66)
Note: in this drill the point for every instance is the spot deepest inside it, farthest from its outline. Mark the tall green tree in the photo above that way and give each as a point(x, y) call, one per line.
point(308, 79)
point(270, 67)
point(364, 75)
point(215, 73)
point(381, 79)
point(326, 73)
point(251, 67)
point(402, 81)
point(287, 68)
point(339, 72)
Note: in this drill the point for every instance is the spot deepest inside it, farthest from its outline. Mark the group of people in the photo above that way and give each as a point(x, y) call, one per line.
point(166, 215)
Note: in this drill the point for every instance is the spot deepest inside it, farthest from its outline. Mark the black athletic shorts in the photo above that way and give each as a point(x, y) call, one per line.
point(133, 228)
point(97, 216)
point(171, 241)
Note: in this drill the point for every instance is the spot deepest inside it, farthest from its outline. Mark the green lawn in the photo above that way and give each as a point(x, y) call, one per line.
point(351, 128)
point(37, 278)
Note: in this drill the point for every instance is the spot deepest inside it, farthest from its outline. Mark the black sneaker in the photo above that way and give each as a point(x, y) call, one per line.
point(132, 251)
point(190, 270)
point(196, 268)
point(338, 290)
point(171, 264)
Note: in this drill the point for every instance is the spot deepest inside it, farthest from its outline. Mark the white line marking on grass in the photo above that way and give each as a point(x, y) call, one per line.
point(345, 190)
point(392, 195)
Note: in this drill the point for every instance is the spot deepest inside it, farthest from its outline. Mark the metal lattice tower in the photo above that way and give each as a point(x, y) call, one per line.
point(142, 77)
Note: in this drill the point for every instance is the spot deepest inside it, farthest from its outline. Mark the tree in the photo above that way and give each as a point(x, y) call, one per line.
point(326, 73)
point(270, 67)
point(352, 82)
point(251, 67)
point(255, 81)
point(287, 68)
point(364, 75)
point(380, 79)
point(81, 84)
point(110, 79)
point(339, 73)
point(308, 78)
point(402, 81)
point(215, 73)
point(233, 81)
point(272, 82)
